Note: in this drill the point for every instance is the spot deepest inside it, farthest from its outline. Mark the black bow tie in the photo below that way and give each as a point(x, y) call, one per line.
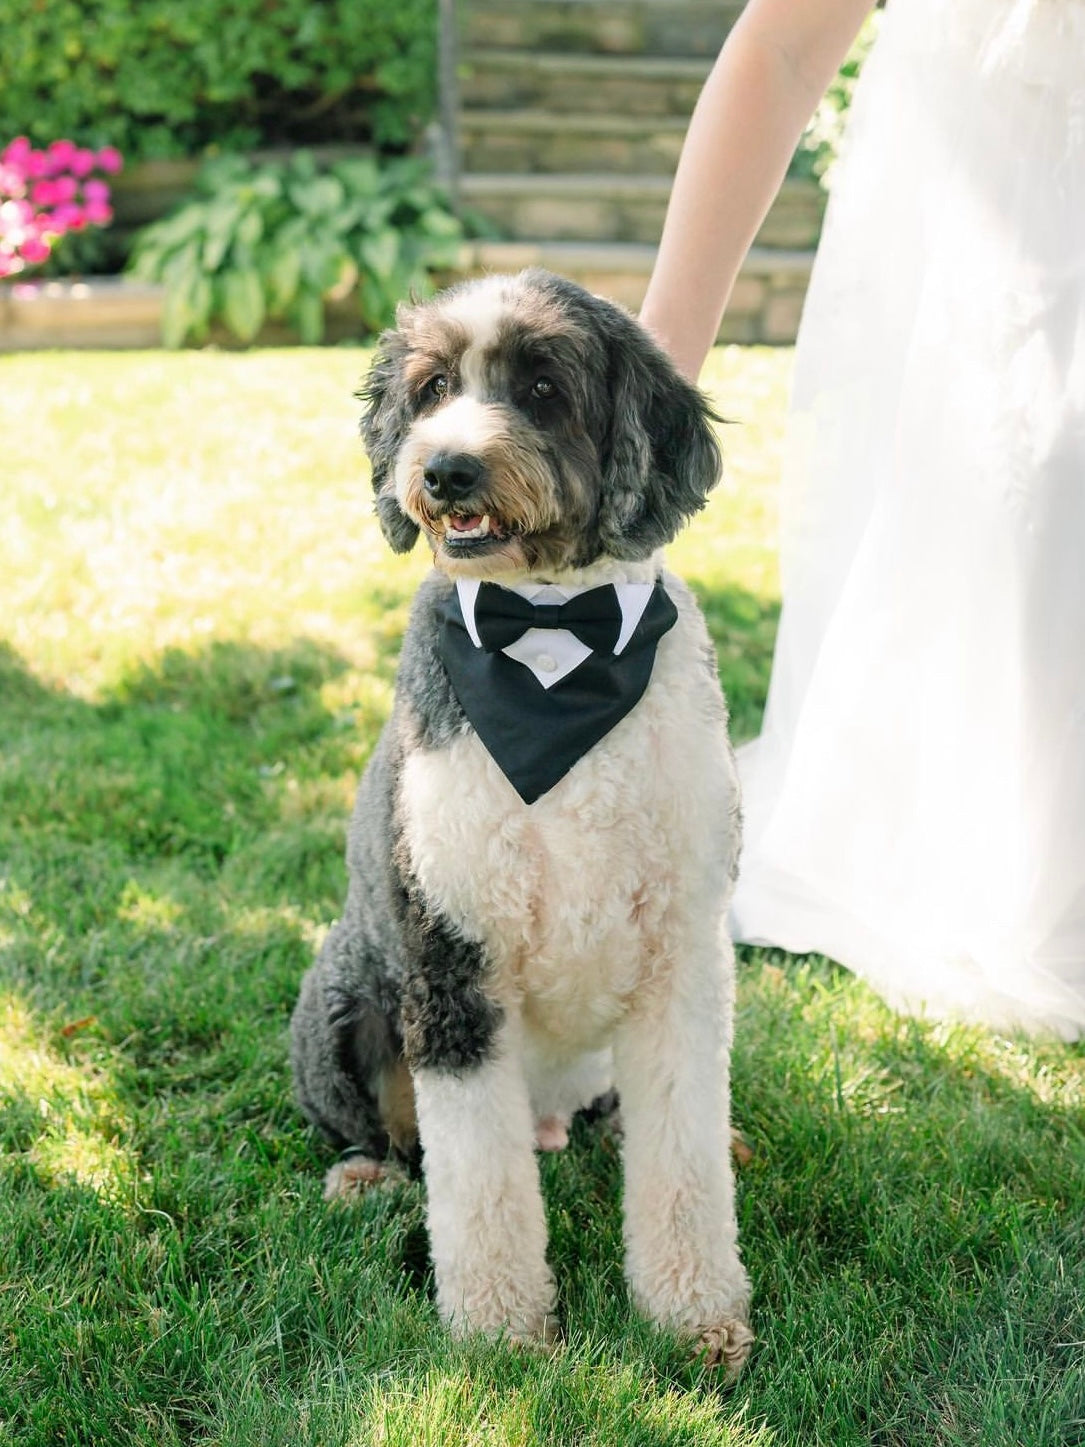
point(535, 734)
point(502, 616)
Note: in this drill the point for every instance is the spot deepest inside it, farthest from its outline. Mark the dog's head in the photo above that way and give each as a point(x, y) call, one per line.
point(524, 425)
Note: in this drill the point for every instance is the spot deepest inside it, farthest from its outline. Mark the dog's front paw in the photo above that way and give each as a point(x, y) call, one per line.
point(520, 1322)
point(516, 1303)
point(726, 1345)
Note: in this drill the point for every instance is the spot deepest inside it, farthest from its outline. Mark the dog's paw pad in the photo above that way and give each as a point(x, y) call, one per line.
point(725, 1345)
point(348, 1179)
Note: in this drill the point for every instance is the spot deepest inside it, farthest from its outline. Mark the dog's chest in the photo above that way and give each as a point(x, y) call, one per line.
point(576, 897)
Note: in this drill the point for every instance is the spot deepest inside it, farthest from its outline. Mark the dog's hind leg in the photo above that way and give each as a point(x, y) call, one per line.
point(671, 1059)
point(352, 1082)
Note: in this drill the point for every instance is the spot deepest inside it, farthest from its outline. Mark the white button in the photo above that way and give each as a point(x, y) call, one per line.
point(546, 661)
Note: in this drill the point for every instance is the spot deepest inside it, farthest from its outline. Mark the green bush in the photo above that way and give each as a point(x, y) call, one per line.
point(262, 242)
point(171, 77)
point(819, 147)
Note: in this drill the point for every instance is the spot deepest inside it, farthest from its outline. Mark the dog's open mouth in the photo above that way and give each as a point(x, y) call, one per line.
point(471, 532)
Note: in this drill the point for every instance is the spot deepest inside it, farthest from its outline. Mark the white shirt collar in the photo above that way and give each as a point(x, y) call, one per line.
point(552, 653)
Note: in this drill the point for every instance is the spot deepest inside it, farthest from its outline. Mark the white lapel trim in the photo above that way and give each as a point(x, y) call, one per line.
point(551, 654)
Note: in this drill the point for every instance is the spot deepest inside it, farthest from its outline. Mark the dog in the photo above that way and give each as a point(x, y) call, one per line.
point(540, 860)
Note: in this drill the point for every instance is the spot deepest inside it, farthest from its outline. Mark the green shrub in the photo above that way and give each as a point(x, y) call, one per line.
point(820, 145)
point(171, 77)
point(263, 242)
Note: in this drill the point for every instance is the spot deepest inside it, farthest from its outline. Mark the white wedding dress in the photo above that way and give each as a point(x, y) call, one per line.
point(915, 805)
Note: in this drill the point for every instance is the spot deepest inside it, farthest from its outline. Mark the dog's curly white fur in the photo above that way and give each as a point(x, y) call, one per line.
point(515, 959)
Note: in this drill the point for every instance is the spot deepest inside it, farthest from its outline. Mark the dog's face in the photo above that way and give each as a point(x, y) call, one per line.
point(525, 426)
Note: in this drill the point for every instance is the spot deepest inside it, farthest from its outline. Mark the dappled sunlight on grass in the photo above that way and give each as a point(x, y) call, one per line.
point(146, 910)
point(445, 1407)
point(561, 1399)
point(65, 1117)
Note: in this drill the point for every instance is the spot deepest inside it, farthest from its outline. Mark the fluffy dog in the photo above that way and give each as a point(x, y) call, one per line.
point(530, 919)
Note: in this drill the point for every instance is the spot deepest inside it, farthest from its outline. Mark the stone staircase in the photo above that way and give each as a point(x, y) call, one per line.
point(569, 120)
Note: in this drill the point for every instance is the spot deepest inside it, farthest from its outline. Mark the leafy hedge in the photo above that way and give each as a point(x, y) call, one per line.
point(170, 77)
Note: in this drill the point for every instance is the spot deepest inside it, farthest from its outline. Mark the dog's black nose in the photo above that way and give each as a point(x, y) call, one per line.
point(448, 476)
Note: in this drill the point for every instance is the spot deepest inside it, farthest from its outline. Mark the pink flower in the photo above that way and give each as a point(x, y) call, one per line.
point(9, 263)
point(95, 191)
point(35, 250)
point(15, 214)
point(46, 193)
point(16, 153)
point(66, 188)
point(68, 217)
point(98, 213)
point(110, 160)
point(12, 181)
point(60, 156)
point(82, 163)
point(36, 164)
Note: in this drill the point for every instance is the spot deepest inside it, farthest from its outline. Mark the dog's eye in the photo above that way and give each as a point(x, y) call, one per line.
point(543, 388)
point(436, 388)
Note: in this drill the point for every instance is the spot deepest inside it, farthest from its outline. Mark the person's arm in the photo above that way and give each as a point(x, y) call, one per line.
point(774, 68)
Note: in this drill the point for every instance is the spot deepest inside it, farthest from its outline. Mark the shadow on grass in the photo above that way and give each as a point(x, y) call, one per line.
point(918, 1190)
point(168, 857)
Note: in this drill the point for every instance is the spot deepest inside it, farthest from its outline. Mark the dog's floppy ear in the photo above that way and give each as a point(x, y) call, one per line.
point(384, 425)
point(660, 457)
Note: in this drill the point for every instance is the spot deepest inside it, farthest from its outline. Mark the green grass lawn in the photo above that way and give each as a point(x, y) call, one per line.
point(198, 634)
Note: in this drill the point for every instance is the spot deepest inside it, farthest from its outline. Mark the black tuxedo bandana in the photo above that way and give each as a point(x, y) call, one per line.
point(534, 734)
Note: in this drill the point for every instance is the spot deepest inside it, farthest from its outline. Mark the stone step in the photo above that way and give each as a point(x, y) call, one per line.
point(629, 208)
point(585, 84)
point(764, 308)
point(629, 27)
point(525, 141)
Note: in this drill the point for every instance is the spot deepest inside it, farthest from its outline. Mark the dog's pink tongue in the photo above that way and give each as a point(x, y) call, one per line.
point(465, 525)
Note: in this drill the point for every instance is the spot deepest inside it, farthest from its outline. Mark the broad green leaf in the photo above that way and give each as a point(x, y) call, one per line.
point(250, 228)
point(437, 222)
point(243, 305)
point(380, 254)
point(214, 250)
point(182, 265)
point(322, 261)
point(175, 319)
point(359, 174)
point(307, 314)
point(267, 186)
point(283, 272)
point(200, 302)
point(174, 229)
point(319, 196)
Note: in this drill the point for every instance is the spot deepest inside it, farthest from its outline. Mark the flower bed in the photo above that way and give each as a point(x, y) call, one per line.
point(48, 196)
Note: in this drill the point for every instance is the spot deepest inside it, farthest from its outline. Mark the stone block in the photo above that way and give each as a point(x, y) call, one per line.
point(780, 319)
point(100, 312)
point(747, 295)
